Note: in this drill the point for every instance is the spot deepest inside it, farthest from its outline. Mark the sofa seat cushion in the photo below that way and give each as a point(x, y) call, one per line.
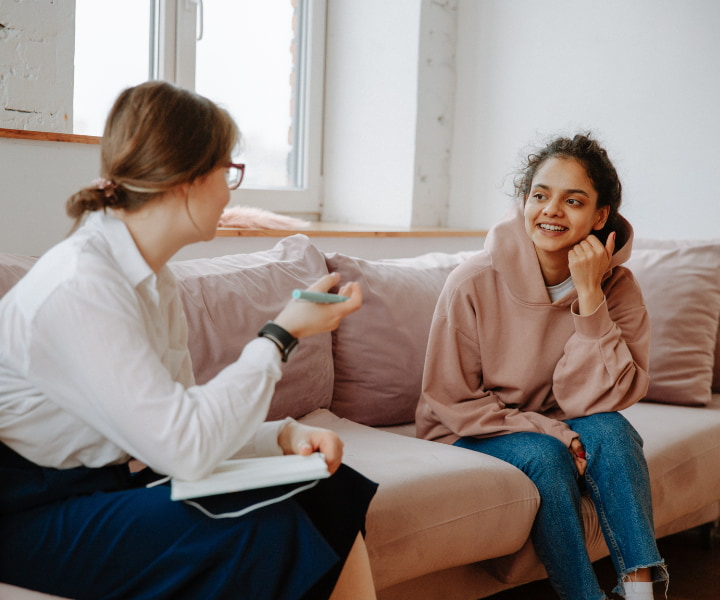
point(437, 506)
point(682, 447)
point(229, 298)
point(10, 592)
point(525, 566)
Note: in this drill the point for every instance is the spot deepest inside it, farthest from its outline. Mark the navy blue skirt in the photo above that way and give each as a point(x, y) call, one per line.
point(100, 533)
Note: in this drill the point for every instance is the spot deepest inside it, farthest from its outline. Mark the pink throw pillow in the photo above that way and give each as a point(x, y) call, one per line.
point(680, 281)
point(380, 350)
point(228, 299)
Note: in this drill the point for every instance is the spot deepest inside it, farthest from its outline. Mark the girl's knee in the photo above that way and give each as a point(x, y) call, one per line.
point(600, 429)
point(611, 443)
point(546, 457)
point(543, 458)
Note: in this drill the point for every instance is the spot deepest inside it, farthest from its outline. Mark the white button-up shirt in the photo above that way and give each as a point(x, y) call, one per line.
point(95, 368)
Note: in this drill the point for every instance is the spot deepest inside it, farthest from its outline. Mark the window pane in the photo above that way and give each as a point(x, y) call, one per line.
point(245, 63)
point(112, 47)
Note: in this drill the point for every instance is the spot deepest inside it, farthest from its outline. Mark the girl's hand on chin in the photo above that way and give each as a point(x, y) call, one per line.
point(589, 261)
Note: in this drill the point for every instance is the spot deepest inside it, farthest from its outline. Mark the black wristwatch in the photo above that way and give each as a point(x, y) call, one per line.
point(283, 339)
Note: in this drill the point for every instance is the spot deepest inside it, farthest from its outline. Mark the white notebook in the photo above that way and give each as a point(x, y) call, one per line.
point(251, 473)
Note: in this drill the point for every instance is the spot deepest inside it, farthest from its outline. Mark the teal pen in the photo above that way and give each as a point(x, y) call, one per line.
point(319, 297)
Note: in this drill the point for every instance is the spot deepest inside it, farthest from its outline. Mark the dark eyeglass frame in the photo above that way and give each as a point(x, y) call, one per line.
point(240, 167)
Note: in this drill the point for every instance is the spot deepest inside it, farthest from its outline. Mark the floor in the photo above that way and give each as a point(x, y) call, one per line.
point(693, 559)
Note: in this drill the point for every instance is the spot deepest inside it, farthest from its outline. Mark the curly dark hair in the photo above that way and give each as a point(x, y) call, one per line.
point(599, 168)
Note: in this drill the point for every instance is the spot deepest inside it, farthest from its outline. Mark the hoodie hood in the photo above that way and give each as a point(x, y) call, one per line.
point(513, 256)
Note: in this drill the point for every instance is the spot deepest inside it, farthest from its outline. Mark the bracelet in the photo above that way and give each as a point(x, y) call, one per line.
point(282, 338)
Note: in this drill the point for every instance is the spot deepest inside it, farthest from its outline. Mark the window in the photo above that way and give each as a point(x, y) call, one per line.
point(261, 60)
point(247, 64)
point(105, 62)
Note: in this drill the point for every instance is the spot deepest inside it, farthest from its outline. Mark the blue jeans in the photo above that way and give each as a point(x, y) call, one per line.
point(618, 483)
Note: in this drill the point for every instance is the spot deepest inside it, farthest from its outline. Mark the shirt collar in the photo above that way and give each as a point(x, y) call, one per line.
point(122, 246)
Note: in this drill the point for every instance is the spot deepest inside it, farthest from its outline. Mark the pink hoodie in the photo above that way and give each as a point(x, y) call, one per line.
point(502, 358)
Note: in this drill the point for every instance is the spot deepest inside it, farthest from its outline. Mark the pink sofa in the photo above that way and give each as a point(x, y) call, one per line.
point(449, 523)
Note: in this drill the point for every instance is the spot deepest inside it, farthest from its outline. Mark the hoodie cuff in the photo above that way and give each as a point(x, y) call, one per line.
point(592, 326)
point(562, 432)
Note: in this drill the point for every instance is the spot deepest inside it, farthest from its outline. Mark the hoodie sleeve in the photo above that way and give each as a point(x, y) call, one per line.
point(453, 401)
point(604, 366)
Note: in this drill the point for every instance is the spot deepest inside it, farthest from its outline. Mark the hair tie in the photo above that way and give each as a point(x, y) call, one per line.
point(105, 185)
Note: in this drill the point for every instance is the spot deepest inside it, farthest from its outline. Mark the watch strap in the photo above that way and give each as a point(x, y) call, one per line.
point(282, 338)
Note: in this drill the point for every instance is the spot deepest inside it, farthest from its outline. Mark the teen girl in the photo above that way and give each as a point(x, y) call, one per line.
point(536, 344)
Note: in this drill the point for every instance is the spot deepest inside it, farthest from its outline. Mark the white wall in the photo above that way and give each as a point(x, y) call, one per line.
point(36, 179)
point(643, 74)
point(36, 65)
point(389, 102)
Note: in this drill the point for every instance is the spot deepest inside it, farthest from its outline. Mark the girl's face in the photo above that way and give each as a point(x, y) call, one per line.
point(561, 209)
point(207, 198)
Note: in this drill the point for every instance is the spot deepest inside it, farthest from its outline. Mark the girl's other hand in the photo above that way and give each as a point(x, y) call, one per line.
point(296, 438)
point(302, 318)
point(578, 453)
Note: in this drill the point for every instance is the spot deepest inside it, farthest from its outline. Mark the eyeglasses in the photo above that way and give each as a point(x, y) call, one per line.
point(234, 174)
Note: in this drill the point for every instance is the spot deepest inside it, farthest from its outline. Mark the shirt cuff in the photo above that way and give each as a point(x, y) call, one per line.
point(266, 350)
point(265, 441)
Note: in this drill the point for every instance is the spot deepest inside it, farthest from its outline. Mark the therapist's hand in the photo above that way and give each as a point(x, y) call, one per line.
point(296, 438)
point(302, 318)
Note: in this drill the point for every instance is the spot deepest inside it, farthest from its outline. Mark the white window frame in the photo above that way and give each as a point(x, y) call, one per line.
point(174, 61)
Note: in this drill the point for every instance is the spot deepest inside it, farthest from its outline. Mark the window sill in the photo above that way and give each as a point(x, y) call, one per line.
point(345, 230)
point(48, 136)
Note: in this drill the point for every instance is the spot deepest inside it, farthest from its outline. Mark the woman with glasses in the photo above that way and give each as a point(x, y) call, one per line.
point(95, 369)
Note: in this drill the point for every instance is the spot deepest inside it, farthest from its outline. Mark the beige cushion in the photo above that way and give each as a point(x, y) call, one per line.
point(524, 565)
point(716, 368)
point(228, 299)
point(681, 285)
point(380, 350)
point(682, 447)
point(437, 506)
